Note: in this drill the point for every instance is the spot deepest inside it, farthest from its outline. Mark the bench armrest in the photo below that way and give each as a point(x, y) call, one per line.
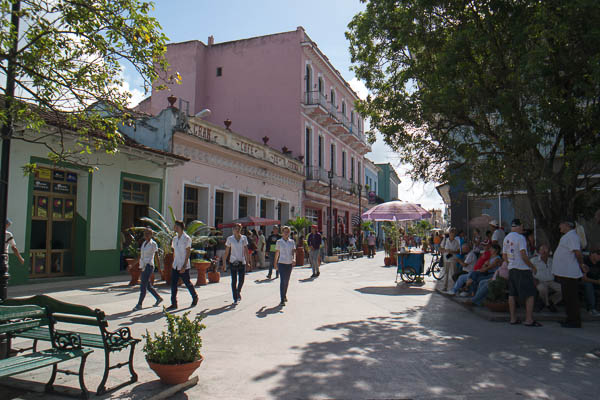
point(118, 337)
point(66, 341)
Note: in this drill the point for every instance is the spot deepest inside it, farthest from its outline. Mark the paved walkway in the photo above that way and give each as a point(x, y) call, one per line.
point(353, 334)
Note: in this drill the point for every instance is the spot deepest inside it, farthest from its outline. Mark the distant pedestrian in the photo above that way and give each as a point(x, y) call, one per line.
point(271, 244)
point(568, 267)
point(314, 246)
point(285, 254)
point(182, 248)
point(262, 244)
point(450, 247)
point(146, 264)
point(9, 241)
point(371, 243)
point(237, 257)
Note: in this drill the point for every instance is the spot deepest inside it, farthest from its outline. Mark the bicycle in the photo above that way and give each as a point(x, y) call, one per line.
point(436, 267)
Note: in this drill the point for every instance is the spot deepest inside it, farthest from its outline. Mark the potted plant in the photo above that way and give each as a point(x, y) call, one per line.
point(201, 266)
point(174, 354)
point(300, 225)
point(497, 297)
point(366, 227)
point(214, 276)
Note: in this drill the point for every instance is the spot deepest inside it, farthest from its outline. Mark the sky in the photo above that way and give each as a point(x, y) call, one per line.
point(325, 21)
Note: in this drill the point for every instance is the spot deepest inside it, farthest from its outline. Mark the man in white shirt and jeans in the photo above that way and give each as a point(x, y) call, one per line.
point(520, 274)
point(236, 255)
point(182, 248)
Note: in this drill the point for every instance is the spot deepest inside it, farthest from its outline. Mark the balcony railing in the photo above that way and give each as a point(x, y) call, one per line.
point(315, 98)
point(317, 174)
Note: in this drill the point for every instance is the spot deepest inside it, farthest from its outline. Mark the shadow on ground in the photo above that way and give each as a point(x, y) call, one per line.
point(393, 290)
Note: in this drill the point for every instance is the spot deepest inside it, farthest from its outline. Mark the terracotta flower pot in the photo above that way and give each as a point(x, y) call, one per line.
point(168, 267)
point(214, 277)
point(299, 256)
point(133, 267)
point(387, 261)
point(497, 307)
point(174, 374)
point(201, 267)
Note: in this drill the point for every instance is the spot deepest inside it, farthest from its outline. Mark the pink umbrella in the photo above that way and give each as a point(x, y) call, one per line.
point(396, 211)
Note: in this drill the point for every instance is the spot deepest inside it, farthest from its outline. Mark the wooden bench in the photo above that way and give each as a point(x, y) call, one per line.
point(74, 314)
point(18, 320)
point(343, 255)
point(357, 254)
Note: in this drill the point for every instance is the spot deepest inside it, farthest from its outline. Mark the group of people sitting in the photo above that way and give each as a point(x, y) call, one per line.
point(532, 273)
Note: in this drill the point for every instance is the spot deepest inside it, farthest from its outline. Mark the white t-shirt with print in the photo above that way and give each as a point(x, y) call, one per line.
point(237, 248)
point(513, 244)
point(286, 250)
point(564, 262)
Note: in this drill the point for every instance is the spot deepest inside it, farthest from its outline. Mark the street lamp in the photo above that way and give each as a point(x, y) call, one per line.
point(359, 209)
point(329, 231)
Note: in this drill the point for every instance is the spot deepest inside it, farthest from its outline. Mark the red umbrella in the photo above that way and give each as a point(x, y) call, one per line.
point(250, 221)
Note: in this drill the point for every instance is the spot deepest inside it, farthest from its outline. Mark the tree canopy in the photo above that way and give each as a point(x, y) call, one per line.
point(67, 55)
point(500, 94)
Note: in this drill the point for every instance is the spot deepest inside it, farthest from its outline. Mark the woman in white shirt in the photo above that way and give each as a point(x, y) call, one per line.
point(450, 248)
point(285, 253)
point(146, 264)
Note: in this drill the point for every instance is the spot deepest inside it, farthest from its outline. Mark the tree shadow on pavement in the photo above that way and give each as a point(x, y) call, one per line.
point(432, 352)
point(264, 311)
point(393, 291)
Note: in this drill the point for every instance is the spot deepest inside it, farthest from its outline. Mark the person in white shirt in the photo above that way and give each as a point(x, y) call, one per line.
point(450, 247)
point(9, 242)
point(285, 254)
point(520, 274)
point(146, 264)
point(236, 256)
point(569, 268)
point(182, 248)
point(544, 279)
point(497, 233)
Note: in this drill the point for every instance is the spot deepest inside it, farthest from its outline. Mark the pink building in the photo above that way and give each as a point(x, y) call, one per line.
point(282, 90)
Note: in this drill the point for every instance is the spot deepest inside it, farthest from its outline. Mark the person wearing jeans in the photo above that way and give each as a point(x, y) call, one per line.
point(314, 244)
point(182, 248)
point(271, 243)
point(236, 256)
point(147, 252)
point(285, 253)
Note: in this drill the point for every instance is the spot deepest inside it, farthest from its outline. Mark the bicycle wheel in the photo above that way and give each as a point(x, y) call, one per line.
point(437, 270)
point(408, 275)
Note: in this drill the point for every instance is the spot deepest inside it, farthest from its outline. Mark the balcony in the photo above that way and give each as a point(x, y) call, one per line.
point(317, 180)
point(341, 127)
point(317, 107)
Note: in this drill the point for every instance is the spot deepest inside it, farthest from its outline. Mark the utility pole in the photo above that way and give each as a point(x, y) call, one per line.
point(7, 131)
point(329, 222)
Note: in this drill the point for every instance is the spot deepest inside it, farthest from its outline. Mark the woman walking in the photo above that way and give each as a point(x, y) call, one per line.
point(146, 264)
point(285, 252)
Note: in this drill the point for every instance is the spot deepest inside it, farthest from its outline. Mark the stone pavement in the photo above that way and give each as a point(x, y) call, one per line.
point(352, 333)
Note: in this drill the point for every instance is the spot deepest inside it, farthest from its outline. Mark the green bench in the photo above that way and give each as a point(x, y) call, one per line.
point(74, 314)
point(18, 320)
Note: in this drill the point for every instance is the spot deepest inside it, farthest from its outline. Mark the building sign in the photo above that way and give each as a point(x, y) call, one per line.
point(43, 173)
point(58, 175)
point(61, 188)
point(71, 177)
point(201, 132)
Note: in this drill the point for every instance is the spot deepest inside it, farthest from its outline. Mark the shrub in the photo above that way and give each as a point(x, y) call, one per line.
point(179, 344)
point(497, 290)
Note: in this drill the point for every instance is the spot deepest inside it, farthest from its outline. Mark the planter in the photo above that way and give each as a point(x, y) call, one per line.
point(387, 261)
point(201, 267)
point(168, 267)
point(497, 307)
point(214, 277)
point(174, 374)
point(133, 267)
point(365, 249)
point(299, 256)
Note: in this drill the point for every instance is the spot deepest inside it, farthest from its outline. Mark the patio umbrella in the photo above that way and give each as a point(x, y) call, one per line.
point(251, 221)
point(396, 211)
point(481, 221)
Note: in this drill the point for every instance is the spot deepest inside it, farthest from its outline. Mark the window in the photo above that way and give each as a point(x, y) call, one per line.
point(135, 192)
point(219, 207)
point(320, 151)
point(219, 71)
point(352, 169)
point(243, 207)
point(343, 164)
point(307, 152)
point(332, 98)
point(332, 159)
point(343, 108)
point(312, 215)
point(352, 116)
point(359, 170)
point(308, 79)
point(320, 85)
point(263, 208)
point(190, 204)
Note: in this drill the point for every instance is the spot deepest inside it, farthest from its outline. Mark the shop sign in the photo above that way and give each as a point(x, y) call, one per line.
point(61, 188)
point(41, 185)
point(71, 177)
point(58, 175)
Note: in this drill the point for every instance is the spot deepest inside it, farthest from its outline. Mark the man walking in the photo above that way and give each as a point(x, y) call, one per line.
point(182, 248)
point(569, 268)
point(262, 243)
point(314, 244)
point(520, 274)
point(236, 254)
point(271, 247)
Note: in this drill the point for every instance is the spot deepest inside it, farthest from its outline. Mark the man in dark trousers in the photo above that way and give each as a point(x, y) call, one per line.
point(314, 244)
point(271, 243)
point(182, 247)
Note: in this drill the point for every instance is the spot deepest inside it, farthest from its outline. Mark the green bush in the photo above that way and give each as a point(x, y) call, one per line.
point(179, 344)
point(497, 290)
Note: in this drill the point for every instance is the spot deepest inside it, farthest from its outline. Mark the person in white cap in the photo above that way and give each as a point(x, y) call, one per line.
point(497, 233)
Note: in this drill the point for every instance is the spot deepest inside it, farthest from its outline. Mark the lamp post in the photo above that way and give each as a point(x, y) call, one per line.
point(329, 222)
point(359, 211)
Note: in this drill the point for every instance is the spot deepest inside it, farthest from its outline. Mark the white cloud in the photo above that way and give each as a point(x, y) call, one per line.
point(136, 94)
point(359, 87)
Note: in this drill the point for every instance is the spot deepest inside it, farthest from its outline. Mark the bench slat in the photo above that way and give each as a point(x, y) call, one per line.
point(20, 312)
point(87, 339)
point(29, 362)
